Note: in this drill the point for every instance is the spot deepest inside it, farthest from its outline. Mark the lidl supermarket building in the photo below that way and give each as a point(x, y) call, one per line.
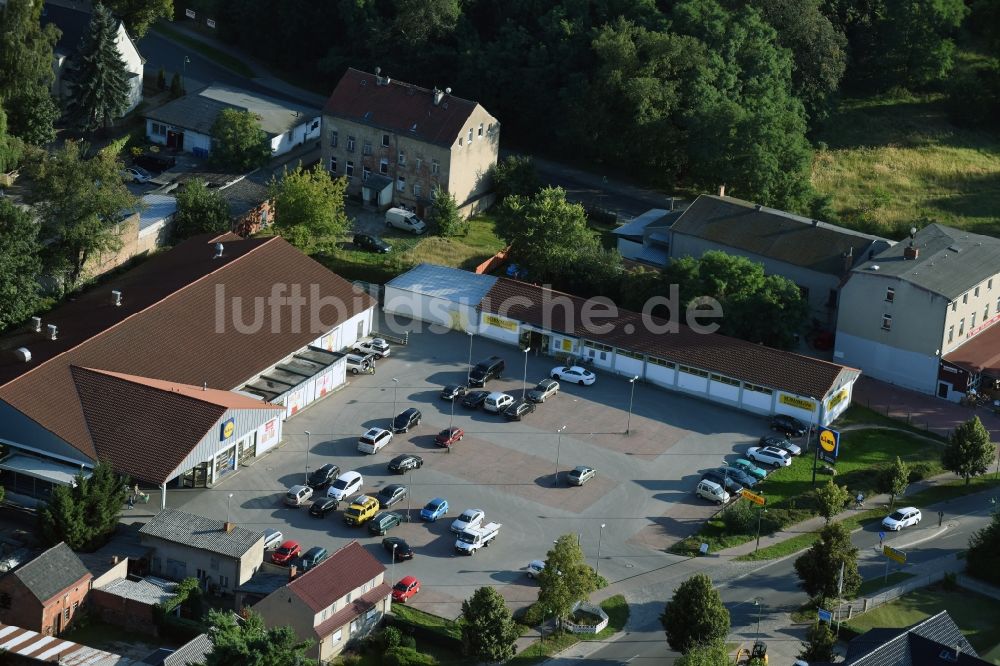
point(721, 369)
point(178, 371)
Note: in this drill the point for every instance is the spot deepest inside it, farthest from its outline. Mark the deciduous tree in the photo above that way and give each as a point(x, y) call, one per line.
point(26, 71)
point(98, 76)
point(894, 479)
point(983, 556)
point(444, 214)
point(20, 264)
point(139, 15)
point(177, 86)
point(240, 144)
point(695, 615)
point(819, 643)
point(566, 578)
point(819, 567)
point(515, 174)
point(831, 499)
point(705, 654)
point(488, 629)
point(309, 207)
point(248, 642)
point(969, 451)
point(200, 210)
point(10, 146)
point(86, 515)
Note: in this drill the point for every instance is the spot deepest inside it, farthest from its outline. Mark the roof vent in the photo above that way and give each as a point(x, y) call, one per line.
point(23, 354)
point(219, 247)
point(757, 207)
point(875, 267)
point(954, 248)
point(815, 223)
point(53, 331)
point(36, 324)
point(910, 253)
point(116, 298)
point(438, 96)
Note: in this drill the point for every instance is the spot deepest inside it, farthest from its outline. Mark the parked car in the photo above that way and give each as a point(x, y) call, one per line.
point(769, 455)
point(322, 477)
point(346, 485)
point(475, 399)
point(360, 363)
point(449, 436)
point(543, 389)
point(286, 552)
point(491, 368)
point(789, 425)
point(376, 346)
point(573, 375)
point(496, 402)
point(434, 509)
point(272, 538)
point(372, 244)
point(298, 495)
point(155, 163)
point(712, 491)
point(374, 440)
point(408, 418)
point(518, 409)
point(383, 522)
point(580, 475)
point(453, 392)
point(394, 493)
point(780, 443)
point(362, 509)
point(535, 567)
point(312, 557)
point(901, 518)
point(136, 174)
point(405, 589)
point(323, 506)
point(404, 463)
point(397, 548)
point(750, 468)
point(732, 486)
point(469, 518)
point(742, 478)
point(405, 220)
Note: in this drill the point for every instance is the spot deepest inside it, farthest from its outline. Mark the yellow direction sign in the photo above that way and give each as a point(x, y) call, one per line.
point(828, 440)
point(894, 555)
point(753, 497)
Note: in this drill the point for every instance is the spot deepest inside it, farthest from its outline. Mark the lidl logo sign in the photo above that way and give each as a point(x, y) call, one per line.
point(829, 441)
point(228, 428)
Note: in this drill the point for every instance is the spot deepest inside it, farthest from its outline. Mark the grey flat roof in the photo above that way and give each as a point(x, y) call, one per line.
point(157, 207)
point(201, 533)
point(445, 283)
point(637, 225)
point(149, 590)
point(46, 470)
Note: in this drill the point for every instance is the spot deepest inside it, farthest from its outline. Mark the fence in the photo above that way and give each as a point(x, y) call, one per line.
point(492, 262)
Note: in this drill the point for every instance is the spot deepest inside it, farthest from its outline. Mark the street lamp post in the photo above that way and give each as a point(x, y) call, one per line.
point(760, 515)
point(558, 446)
point(600, 537)
point(628, 421)
point(468, 373)
point(230, 499)
point(760, 606)
point(395, 385)
point(393, 574)
point(308, 443)
point(524, 378)
point(184, 67)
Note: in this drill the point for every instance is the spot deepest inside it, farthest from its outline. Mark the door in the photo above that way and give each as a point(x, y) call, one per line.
point(175, 140)
point(942, 391)
point(196, 477)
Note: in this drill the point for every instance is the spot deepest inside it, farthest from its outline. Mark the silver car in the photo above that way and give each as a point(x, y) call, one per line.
point(580, 475)
point(544, 389)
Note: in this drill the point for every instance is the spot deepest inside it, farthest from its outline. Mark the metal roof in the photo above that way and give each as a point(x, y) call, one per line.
point(201, 533)
point(925, 643)
point(33, 646)
point(446, 283)
point(637, 225)
point(149, 590)
point(157, 207)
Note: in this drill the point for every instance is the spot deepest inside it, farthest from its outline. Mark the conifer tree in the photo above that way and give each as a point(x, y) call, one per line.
point(99, 86)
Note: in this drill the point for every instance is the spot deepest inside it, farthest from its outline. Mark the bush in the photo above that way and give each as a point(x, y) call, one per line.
point(532, 616)
point(406, 640)
point(391, 637)
point(404, 656)
point(740, 518)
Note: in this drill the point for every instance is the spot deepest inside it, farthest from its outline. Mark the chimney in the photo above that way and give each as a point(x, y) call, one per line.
point(292, 572)
point(116, 298)
point(757, 207)
point(670, 203)
point(53, 332)
point(219, 247)
point(229, 527)
point(722, 190)
point(848, 259)
point(36, 324)
point(910, 253)
point(23, 354)
point(438, 96)
point(114, 559)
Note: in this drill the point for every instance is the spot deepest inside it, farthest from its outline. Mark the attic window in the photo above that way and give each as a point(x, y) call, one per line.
point(413, 128)
point(954, 248)
point(890, 295)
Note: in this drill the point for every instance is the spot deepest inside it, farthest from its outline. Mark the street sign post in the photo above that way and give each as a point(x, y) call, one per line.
point(825, 616)
point(894, 555)
point(753, 497)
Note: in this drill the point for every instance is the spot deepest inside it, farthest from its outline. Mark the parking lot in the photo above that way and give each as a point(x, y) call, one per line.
point(642, 494)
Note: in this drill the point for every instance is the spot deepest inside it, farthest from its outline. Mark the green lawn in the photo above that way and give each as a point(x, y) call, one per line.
point(975, 615)
point(215, 55)
point(104, 636)
point(418, 617)
point(863, 416)
point(873, 585)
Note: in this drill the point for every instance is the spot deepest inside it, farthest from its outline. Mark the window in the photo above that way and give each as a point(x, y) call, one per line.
point(350, 144)
point(630, 354)
point(886, 322)
point(383, 166)
point(158, 129)
point(365, 172)
point(986, 312)
point(66, 614)
point(418, 189)
point(965, 298)
point(337, 636)
point(480, 129)
point(976, 294)
point(961, 328)
point(201, 574)
point(972, 321)
point(385, 140)
point(349, 169)
point(401, 184)
point(366, 148)
point(354, 627)
point(890, 295)
point(725, 380)
point(333, 165)
point(951, 333)
point(420, 161)
point(76, 605)
point(461, 141)
point(597, 345)
point(692, 371)
point(372, 612)
point(831, 299)
point(989, 285)
point(659, 361)
point(333, 139)
point(435, 167)
point(402, 158)
point(954, 304)
point(757, 389)
point(470, 135)
point(224, 581)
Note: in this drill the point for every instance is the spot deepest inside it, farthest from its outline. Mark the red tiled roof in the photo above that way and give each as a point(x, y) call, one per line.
point(981, 353)
point(738, 359)
point(166, 329)
point(350, 567)
point(399, 107)
point(352, 610)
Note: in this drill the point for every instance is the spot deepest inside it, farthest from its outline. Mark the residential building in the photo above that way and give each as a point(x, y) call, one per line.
point(45, 594)
point(186, 123)
point(332, 604)
point(646, 239)
point(37, 649)
point(670, 355)
point(936, 641)
point(222, 556)
point(396, 143)
point(73, 25)
point(922, 314)
point(815, 255)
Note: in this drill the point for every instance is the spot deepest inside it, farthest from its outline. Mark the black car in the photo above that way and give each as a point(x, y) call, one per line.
point(519, 409)
point(372, 243)
point(407, 419)
point(391, 494)
point(453, 392)
point(789, 425)
point(741, 477)
point(155, 163)
point(474, 399)
point(404, 463)
point(491, 368)
point(732, 486)
point(322, 507)
point(322, 477)
point(403, 550)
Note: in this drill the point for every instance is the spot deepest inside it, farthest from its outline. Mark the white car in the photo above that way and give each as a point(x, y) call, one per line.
point(901, 518)
point(374, 440)
point(769, 455)
point(535, 567)
point(573, 375)
point(136, 174)
point(469, 518)
point(272, 539)
point(346, 485)
point(376, 346)
point(496, 402)
point(780, 443)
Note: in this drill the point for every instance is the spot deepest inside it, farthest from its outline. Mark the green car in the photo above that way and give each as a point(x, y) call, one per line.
point(383, 522)
point(750, 468)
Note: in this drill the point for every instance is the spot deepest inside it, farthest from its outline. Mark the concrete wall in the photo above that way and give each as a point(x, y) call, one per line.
point(134, 244)
point(472, 155)
point(212, 565)
point(117, 571)
point(971, 313)
point(308, 130)
point(126, 613)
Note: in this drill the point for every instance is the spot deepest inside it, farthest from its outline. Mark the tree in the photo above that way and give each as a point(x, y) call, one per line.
point(831, 499)
point(240, 143)
point(695, 615)
point(969, 451)
point(98, 76)
point(85, 515)
point(200, 210)
point(80, 201)
point(705, 654)
point(309, 207)
point(488, 629)
point(26, 74)
point(161, 79)
point(515, 174)
point(20, 264)
point(819, 567)
point(247, 642)
point(894, 479)
point(138, 15)
point(445, 214)
point(176, 86)
point(10, 146)
point(983, 556)
point(819, 643)
point(566, 578)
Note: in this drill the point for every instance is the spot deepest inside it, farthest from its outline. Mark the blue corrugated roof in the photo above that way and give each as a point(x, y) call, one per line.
point(158, 207)
point(638, 224)
point(450, 284)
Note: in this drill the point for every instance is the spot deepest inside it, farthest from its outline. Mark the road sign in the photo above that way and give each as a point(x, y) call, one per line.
point(825, 615)
point(881, 536)
point(753, 497)
point(829, 441)
point(828, 459)
point(894, 555)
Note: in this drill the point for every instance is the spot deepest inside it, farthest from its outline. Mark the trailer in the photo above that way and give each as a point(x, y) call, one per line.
point(473, 538)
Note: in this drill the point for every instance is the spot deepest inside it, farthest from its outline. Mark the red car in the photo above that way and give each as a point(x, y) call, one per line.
point(286, 552)
point(449, 436)
point(405, 589)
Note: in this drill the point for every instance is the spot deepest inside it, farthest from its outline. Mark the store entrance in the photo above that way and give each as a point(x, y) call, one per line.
point(196, 477)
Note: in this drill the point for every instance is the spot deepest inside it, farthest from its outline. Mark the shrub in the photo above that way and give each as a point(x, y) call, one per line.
point(404, 656)
point(407, 640)
point(532, 616)
point(739, 518)
point(391, 637)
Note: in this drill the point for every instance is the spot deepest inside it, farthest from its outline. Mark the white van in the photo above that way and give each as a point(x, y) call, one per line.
point(712, 491)
point(496, 402)
point(357, 364)
point(400, 218)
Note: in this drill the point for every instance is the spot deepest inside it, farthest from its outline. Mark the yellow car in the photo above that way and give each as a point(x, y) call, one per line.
point(362, 509)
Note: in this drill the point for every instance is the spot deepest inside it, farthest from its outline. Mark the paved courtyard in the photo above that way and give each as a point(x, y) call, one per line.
point(642, 494)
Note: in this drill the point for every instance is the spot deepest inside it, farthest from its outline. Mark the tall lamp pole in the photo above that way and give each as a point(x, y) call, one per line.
point(524, 378)
point(558, 446)
point(628, 421)
point(760, 515)
point(760, 606)
point(395, 385)
point(184, 67)
point(308, 443)
point(394, 562)
point(228, 501)
point(600, 537)
point(468, 373)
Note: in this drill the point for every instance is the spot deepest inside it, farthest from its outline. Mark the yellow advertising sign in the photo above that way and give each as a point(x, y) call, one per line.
point(500, 322)
point(801, 403)
point(754, 497)
point(837, 399)
point(894, 555)
point(828, 441)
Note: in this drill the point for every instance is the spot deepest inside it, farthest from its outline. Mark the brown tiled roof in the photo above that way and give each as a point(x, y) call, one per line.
point(980, 354)
point(166, 328)
point(352, 610)
point(350, 567)
point(746, 361)
point(399, 107)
